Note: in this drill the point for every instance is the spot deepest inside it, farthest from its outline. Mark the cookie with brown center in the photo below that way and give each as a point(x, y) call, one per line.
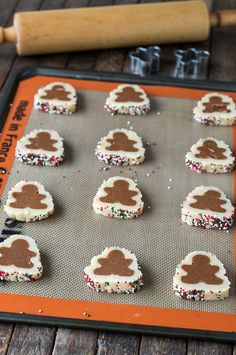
point(121, 147)
point(201, 276)
point(208, 207)
point(115, 270)
point(118, 197)
point(210, 155)
point(40, 147)
point(127, 99)
point(29, 201)
point(215, 109)
point(56, 98)
point(20, 259)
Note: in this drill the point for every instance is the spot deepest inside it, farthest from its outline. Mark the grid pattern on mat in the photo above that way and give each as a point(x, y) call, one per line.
point(74, 234)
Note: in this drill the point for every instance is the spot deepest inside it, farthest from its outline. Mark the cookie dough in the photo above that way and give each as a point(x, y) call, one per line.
point(40, 147)
point(29, 201)
point(216, 110)
point(127, 99)
point(121, 147)
point(115, 270)
point(210, 155)
point(20, 259)
point(208, 207)
point(56, 98)
point(201, 277)
point(118, 197)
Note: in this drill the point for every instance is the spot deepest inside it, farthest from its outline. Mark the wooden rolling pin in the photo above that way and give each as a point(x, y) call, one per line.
point(69, 30)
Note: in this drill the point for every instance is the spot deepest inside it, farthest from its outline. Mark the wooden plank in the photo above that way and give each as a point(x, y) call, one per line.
point(31, 340)
point(223, 47)
point(8, 58)
point(75, 341)
point(108, 60)
point(208, 348)
point(7, 8)
point(117, 344)
point(160, 345)
point(76, 3)
point(6, 330)
point(81, 60)
point(100, 2)
point(52, 4)
point(111, 60)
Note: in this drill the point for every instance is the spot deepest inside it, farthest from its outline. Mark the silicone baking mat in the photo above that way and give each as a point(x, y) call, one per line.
point(74, 234)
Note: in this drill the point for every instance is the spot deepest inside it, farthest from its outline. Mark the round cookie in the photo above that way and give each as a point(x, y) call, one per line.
point(208, 207)
point(216, 110)
point(29, 201)
point(127, 99)
point(40, 147)
point(56, 98)
point(115, 270)
point(201, 277)
point(118, 197)
point(20, 259)
point(210, 155)
point(121, 147)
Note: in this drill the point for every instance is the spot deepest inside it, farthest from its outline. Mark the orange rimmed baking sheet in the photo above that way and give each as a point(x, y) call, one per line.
point(99, 311)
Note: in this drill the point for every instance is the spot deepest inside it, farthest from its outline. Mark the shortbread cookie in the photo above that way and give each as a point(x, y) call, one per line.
point(208, 207)
point(118, 197)
point(20, 259)
point(28, 201)
point(127, 99)
point(216, 110)
point(115, 270)
point(201, 277)
point(40, 147)
point(121, 147)
point(57, 98)
point(210, 155)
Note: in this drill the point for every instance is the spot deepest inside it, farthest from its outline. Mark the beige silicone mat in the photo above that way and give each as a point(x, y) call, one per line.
point(74, 234)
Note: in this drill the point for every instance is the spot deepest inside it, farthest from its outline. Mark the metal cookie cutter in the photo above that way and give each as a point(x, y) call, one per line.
point(145, 60)
point(191, 63)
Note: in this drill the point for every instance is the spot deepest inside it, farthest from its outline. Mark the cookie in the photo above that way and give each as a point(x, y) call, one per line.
point(20, 259)
point(127, 99)
point(28, 201)
point(121, 147)
point(216, 110)
point(40, 147)
point(208, 207)
point(210, 155)
point(56, 98)
point(115, 270)
point(118, 197)
point(201, 277)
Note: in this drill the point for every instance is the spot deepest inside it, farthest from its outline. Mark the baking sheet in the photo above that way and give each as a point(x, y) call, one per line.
point(74, 234)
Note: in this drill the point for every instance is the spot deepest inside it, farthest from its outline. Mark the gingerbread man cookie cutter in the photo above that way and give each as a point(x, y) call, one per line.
point(191, 63)
point(144, 61)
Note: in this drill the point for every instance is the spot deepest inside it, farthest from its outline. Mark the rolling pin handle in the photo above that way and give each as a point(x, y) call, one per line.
point(223, 18)
point(8, 35)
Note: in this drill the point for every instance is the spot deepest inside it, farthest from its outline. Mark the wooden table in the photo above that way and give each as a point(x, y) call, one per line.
point(27, 340)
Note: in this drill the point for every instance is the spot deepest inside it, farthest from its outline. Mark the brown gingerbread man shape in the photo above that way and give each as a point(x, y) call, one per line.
point(29, 197)
point(120, 141)
point(201, 271)
point(18, 254)
point(209, 201)
point(57, 92)
point(42, 141)
point(114, 264)
point(215, 104)
point(119, 193)
point(210, 149)
point(128, 94)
